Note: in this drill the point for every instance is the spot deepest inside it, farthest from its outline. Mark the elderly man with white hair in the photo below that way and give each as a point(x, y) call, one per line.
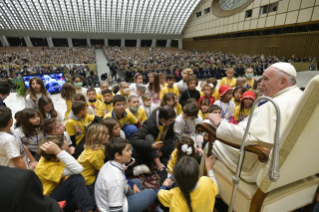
point(279, 83)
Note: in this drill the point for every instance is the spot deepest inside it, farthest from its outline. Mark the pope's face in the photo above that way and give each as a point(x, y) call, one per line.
point(270, 82)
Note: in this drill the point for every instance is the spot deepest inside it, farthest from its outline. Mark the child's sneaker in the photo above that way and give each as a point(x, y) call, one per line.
point(141, 169)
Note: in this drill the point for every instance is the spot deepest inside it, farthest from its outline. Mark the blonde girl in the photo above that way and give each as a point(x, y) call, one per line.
point(92, 157)
point(35, 91)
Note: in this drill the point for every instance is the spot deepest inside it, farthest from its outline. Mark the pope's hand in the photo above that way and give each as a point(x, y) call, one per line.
point(214, 118)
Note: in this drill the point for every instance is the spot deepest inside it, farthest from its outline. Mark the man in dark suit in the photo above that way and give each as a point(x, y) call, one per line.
point(21, 190)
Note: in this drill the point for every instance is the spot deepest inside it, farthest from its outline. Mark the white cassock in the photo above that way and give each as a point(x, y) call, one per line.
point(261, 132)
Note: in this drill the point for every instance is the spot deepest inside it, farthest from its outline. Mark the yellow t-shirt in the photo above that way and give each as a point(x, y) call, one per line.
point(128, 118)
point(240, 116)
point(169, 90)
point(164, 85)
point(107, 107)
point(172, 162)
point(179, 109)
point(230, 82)
point(97, 107)
point(92, 161)
point(100, 97)
point(161, 131)
point(202, 198)
point(249, 84)
point(236, 103)
point(50, 174)
point(203, 115)
point(215, 94)
point(78, 127)
point(68, 108)
point(140, 115)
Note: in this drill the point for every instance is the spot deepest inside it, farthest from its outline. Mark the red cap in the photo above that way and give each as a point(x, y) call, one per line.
point(223, 89)
point(247, 95)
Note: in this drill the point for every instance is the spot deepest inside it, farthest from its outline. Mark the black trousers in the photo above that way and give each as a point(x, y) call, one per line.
point(76, 194)
point(79, 148)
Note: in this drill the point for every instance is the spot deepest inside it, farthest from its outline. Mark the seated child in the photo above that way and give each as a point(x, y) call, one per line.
point(240, 82)
point(113, 127)
point(140, 90)
point(215, 109)
point(213, 83)
point(229, 80)
point(184, 146)
point(169, 88)
point(104, 85)
point(29, 129)
point(249, 81)
point(148, 106)
point(12, 151)
point(243, 110)
point(67, 92)
point(135, 109)
point(237, 94)
point(191, 91)
point(46, 108)
point(226, 105)
point(124, 90)
point(162, 77)
point(193, 193)
point(127, 120)
point(203, 108)
point(56, 164)
point(182, 85)
point(207, 91)
point(92, 157)
point(186, 122)
point(259, 86)
point(169, 99)
point(77, 125)
point(55, 127)
point(113, 191)
point(77, 81)
point(5, 89)
point(80, 97)
point(108, 101)
point(138, 79)
point(94, 103)
point(35, 91)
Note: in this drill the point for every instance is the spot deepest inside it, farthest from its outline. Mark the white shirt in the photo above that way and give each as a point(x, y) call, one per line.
point(187, 127)
point(11, 147)
point(149, 110)
point(181, 85)
point(82, 91)
point(227, 109)
point(30, 142)
point(133, 88)
point(154, 96)
point(111, 187)
point(29, 103)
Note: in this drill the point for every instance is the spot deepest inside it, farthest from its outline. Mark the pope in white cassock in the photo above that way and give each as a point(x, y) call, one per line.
point(279, 83)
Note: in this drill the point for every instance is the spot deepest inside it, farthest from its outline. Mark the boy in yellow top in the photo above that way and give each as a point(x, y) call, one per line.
point(55, 164)
point(103, 86)
point(170, 88)
point(108, 101)
point(77, 125)
point(124, 90)
point(200, 192)
point(135, 109)
point(249, 81)
point(162, 78)
point(94, 103)
point(126, 119)
point(92, 158)
point(229, 80)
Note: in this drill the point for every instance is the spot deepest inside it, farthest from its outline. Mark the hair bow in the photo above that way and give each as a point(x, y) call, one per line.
point(186, 149)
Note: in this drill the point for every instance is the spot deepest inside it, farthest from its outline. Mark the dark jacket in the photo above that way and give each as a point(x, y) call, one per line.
point(150, 127)
point(21, 190)
point(187, 94)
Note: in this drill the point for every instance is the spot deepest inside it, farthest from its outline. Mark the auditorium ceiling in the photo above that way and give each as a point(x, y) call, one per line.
point(166, 17)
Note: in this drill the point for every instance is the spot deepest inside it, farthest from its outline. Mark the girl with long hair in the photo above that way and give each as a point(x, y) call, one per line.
point(46, 108)
point(35, 91)
point(154, 88)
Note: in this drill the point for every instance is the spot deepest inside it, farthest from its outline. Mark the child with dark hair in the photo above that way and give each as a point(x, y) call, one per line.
point(169, 99)
point(107, 95)
point(169, 88)
point(113, 127)
point(207, 94)
point(94, 103)
point(46, 108)
point(5, 89)
point(186, 122)
point(237, 94)
point(203, 108)
point(191, 91)
point(29, 129)
point(193, 193)
point(53, 168)
point(113, 191)
point(35, 91)
point(127, 120)
point(243, 110)
point(226, 105)
point(12, 151)
point(215, 109)
point(77, 81)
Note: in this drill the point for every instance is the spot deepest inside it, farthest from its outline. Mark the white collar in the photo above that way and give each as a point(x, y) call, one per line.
point(284, 90)
point(117, 164)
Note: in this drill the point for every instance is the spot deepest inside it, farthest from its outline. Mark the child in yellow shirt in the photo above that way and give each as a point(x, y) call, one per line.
point(77, 124)
point(192, 193)
point(169, 99)
point(135, 109)
point(94, 103)
point(67, 92)
point(103, 86)
point(126, 119)
point(92, 157)
point(229, 80)
point(243, 110)
point(108, 101)
point(54, 166)
point(162, 77)
point(237, 94)
point(204, 105)
point(124, 90)
point(169, 88)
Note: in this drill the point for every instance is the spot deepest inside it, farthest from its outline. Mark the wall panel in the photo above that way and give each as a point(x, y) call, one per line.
point(285, 45)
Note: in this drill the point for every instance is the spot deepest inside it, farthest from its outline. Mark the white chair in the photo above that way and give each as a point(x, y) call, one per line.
point(298, 163)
